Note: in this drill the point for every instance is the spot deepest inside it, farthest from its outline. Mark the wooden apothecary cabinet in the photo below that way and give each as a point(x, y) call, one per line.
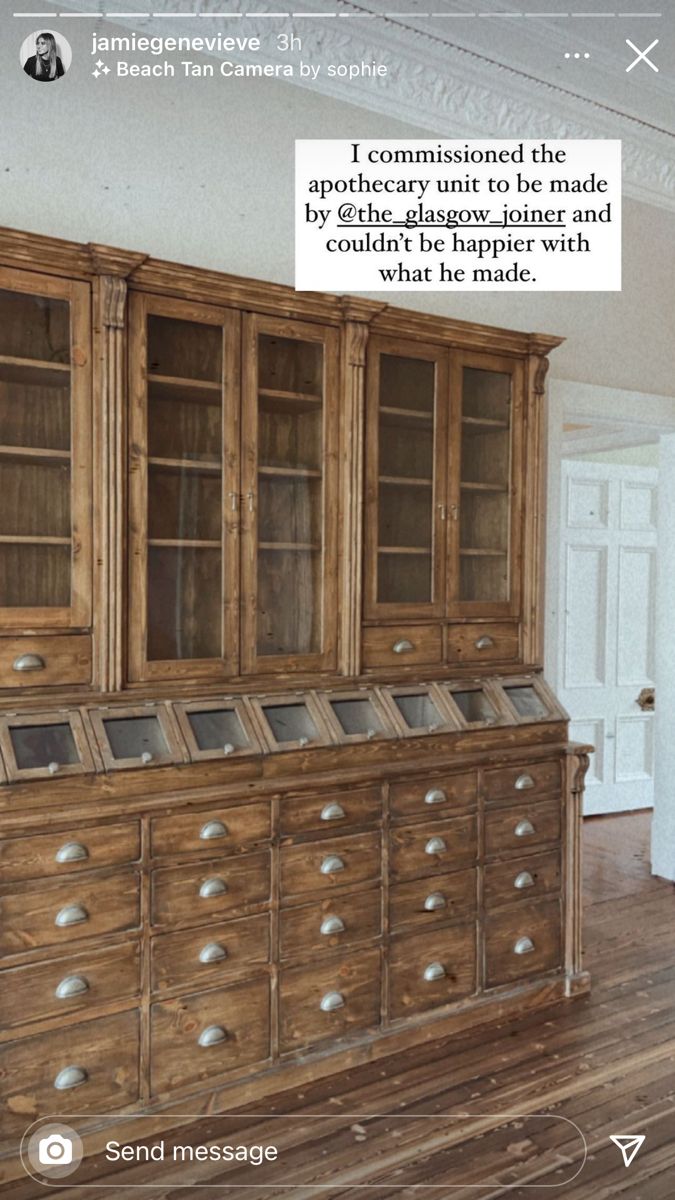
point(281, 784)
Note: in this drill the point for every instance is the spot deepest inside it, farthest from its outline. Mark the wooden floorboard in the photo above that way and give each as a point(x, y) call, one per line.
point(604, 1063)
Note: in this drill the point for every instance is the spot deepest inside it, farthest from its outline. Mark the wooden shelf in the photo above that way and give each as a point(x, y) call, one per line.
point(272, 400)
point(172, 387)
point(13, 539)
point(183, 544)
point(484, 487)
point(403, 550)
point(405, 415)
point(305, 547)
point(35, 454)
point(405, 481)
point(290, 472)
point(484, 423)
point(484, 553)
point(33, 371)
point(200, 466)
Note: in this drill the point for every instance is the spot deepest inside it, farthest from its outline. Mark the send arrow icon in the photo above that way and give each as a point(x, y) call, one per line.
point(629, 1145)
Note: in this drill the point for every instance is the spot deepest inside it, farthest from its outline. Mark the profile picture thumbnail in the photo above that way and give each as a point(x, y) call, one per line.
point(45, 56)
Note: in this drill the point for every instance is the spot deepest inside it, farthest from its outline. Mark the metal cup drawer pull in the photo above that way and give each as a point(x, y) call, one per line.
point(72, 985)
point(332, 1001)
point(213, 829)
point(403, 646)
point(71, 852)
point(29, 662)
point(70, 1077)
point(212, 952)
point(72, 914)
point(435, 796)
point(434, 902)
point(212, 1036)
point(523, 880)
point(331, 864)
point(212, 887)
point(434, 971)
point(524, 828)
point(332, 925)
point(332, 812)
point(435, 845)
point(523, 782)
point(484, 643)
point(524, 945)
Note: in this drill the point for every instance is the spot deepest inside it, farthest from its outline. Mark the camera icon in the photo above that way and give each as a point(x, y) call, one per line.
point(55, 1151)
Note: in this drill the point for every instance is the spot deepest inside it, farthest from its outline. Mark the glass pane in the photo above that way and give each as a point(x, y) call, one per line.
point(185, 489)
point(418, 711)
point(357, 716)
point(35, 452)
point(485, 486)
point(290, 496)
point(217, 728)
point(37, 746)
point(526, 702)
point(405, 485)
point(132, 737)
point(475, 706)
point(291, 723)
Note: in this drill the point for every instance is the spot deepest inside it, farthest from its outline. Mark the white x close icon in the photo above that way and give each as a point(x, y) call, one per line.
point(642, 55)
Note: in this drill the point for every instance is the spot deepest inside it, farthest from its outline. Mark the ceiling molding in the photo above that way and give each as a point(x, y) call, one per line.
point(450, 90)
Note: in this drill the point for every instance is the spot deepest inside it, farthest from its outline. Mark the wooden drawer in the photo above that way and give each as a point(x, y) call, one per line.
point(66, 985)
point(432, 796)
point(425, 641)
point(515, 830)
point(212, 955)
point(202, 892)
point(522, 941)
point(329, 999)
point(432, 902)
point(211, 831)
point(307, 867)
point(330, 810)
point(329, 923)
point(523, 780)
point(194, 1038)
point(418, 850)
point(66, 658)
point(522, 879)
point(82, 907)
point(103, 1055)
point(76, 848)
point(483, 643)
point(430, 969)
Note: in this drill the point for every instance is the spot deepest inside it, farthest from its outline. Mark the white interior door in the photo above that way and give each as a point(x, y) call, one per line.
point(606, 609)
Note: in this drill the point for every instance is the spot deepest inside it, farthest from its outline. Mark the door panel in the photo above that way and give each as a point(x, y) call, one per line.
point(607, 607)
point(289, 518)
point(406, 456)
point(184, 488)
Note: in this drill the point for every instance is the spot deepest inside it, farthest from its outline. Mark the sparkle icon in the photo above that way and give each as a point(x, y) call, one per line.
point(629, 1145)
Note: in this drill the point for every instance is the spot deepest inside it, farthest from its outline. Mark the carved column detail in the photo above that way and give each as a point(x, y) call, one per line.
point(113, 269)
point(576, 767)
point(352, 434)
point(535, 509)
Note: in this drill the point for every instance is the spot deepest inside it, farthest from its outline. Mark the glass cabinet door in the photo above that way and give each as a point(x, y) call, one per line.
point(45, 452)
point(289, 518)
point(184, 488)
point(406, 479)
point(485, 536)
